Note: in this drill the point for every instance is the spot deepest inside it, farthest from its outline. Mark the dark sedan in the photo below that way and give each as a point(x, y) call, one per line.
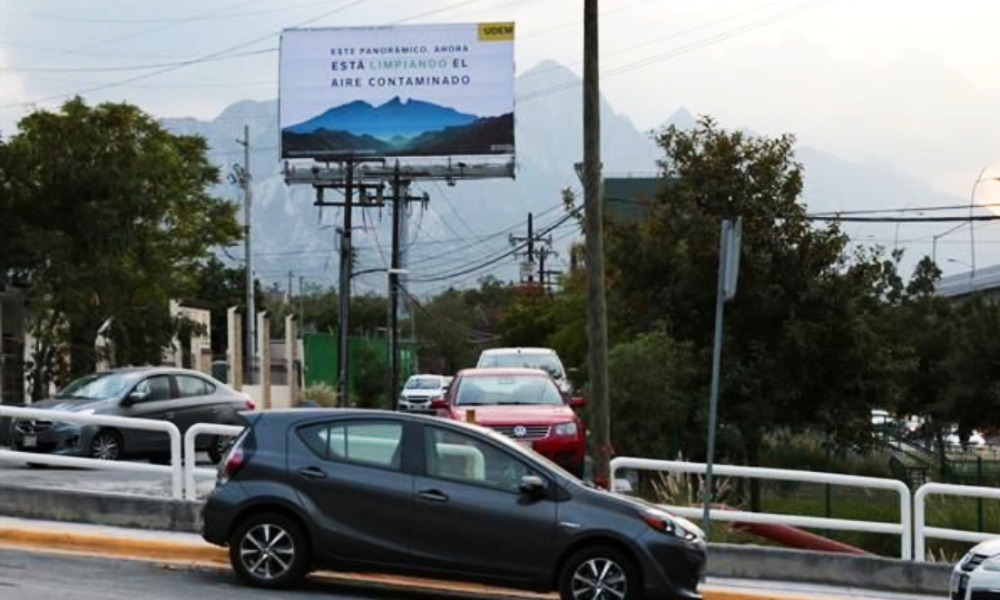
point(403, 493)
point(180, 396)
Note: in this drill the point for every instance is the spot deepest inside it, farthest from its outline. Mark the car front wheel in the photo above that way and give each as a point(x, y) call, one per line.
point(106, 445)
point(599, 573)
point(269, 551)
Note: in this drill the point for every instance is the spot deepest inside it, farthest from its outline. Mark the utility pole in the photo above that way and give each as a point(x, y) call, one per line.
point(544, 253)
point(302, 305)
point(597, 327)
point(251, 315)
point(528, 269)
point(346, 260)
point(397, 225)
point(288, 293)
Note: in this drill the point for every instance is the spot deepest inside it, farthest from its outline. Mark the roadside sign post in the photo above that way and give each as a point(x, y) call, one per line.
point(729, 266)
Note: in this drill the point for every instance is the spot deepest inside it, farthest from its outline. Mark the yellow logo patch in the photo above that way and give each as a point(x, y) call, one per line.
point(496, 32)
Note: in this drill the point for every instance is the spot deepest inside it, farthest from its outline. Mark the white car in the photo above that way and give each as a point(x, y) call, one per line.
point(419, 390)
point(977, 575)
point(545, 359)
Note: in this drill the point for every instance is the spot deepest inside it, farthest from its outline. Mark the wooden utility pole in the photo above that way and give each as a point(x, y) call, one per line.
point(597, 327)
point(397, 225)
point(244, 178)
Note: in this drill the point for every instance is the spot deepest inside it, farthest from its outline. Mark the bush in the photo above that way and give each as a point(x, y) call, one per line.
point(321, 394)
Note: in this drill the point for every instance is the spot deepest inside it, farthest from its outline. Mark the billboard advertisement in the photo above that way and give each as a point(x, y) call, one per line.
point(414, 90)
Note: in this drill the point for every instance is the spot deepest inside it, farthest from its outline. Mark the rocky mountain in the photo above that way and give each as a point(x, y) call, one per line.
point(470, 223)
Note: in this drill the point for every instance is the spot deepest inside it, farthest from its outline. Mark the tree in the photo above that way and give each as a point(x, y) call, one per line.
point(223, 287)
point(802, 337)
point(119, 217)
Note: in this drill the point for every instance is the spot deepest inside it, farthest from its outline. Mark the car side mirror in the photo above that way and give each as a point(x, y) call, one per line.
point(439, 403)
point(532, 485)
point(577, 402)
point(135, 397)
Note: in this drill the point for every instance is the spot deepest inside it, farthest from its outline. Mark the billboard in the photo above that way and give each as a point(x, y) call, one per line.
point(414, 90)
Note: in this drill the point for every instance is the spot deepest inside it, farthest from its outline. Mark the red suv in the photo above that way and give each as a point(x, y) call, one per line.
point(523, 404)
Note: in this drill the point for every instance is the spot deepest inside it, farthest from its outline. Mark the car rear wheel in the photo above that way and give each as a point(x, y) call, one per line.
point(599, 573)
point(269, 551)
point(106, 445)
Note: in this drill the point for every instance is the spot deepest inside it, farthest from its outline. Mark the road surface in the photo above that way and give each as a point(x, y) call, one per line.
point(38, 576)
point(52, 576)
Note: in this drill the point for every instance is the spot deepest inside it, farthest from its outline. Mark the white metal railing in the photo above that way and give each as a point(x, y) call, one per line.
point(920, 529)
point(190, 462)
point(904, 528)
point(174, 470)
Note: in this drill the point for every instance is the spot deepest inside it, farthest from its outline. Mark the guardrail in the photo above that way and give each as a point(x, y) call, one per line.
point(904, 528)
point(920, 529)
point(190, 463)
point(174, 470)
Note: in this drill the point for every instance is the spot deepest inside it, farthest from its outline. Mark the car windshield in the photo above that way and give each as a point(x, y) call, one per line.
point(507, 389)
point(98, 386)
point(423, 383)
point(527, 360)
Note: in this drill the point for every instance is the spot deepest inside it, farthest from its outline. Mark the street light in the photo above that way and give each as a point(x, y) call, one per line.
point(941, 235)
point(964, 264)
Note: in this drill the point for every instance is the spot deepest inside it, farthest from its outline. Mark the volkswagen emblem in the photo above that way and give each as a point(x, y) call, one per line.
point(520, 431)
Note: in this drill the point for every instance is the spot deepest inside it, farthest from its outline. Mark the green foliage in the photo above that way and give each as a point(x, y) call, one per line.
point(321, 394)
point(653, 395)
point(115, 217)
point(369, 375)
point(802, 338)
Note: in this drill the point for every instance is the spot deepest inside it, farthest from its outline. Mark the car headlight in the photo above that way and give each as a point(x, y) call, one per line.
point(565, 429)
point(671, 524)
point(992, 564)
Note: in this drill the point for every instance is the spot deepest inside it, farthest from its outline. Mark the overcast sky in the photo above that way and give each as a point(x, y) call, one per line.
point(915, 83)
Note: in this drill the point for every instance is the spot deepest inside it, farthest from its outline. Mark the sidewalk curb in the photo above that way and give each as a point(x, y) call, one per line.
point(206, 554)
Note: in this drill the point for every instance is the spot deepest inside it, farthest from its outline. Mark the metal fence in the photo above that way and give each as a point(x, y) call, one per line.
point(903, 528)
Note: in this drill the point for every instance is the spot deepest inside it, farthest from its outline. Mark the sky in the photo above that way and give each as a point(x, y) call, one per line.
point(914, 84)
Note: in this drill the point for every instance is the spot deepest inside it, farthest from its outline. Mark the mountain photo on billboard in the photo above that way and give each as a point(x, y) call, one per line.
point(398, 128)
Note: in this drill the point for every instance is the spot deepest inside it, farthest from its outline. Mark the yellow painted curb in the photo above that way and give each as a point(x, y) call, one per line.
point(112, 545)
point(163, 550)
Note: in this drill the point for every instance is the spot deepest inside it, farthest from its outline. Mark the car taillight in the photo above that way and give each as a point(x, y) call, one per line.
point(250, 404)
point(231, 463)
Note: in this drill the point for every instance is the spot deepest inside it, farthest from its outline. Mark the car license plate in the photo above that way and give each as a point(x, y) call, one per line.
point(29, 441)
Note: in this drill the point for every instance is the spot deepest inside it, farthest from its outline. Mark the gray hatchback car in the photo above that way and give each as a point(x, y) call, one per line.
point(181, 396)
point(404, 493)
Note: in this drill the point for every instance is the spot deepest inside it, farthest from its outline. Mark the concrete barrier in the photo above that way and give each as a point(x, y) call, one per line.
point(824, 568)
point(100, 508)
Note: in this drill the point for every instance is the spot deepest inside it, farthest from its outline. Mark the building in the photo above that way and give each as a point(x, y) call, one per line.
point(986, 281)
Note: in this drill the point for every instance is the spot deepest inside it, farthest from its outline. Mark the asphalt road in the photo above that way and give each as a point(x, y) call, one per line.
point(57, 577)
point(49, 576)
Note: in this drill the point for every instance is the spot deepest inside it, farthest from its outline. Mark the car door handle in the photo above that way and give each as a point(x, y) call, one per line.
point(432, 496)
point(170, 416)
point(312, 473)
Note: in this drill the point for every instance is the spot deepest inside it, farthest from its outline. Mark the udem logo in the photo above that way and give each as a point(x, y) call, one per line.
point(496, 32)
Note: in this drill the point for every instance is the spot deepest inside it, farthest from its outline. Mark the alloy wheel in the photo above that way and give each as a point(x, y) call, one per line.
point(105, 446)
point(599, 579)
point(267, 551)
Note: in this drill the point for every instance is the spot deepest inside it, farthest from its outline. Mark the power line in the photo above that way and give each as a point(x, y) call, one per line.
point(183, 64)
point(729, 34)
point(911, 209)
point(902, 219)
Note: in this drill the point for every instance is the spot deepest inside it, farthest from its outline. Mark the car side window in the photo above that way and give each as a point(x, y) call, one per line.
point(156, 388)
point(369, 443)
point(189, 386)
point(458, 457)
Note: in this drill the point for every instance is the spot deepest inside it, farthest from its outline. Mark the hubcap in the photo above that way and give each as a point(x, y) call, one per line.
point(599, 579)
point(267, 551)
point(105, 447)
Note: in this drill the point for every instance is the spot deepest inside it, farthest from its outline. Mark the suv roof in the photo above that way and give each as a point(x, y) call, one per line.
point(519, 351)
